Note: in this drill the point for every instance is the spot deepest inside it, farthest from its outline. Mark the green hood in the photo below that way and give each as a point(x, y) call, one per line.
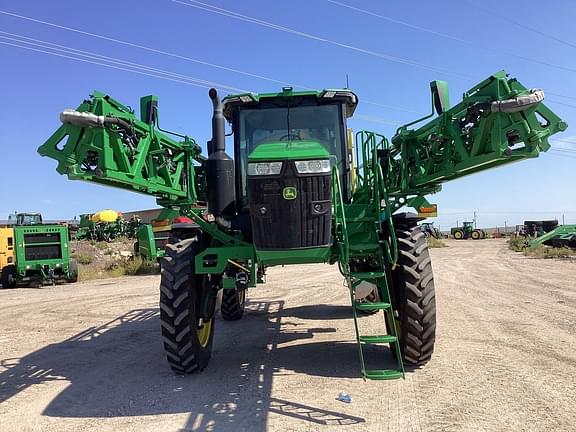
point(284, 150)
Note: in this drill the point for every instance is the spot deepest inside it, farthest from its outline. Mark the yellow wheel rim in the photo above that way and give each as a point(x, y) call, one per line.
point(458, 235)
point(475, 235)
point(241, 296)
point(204, 333)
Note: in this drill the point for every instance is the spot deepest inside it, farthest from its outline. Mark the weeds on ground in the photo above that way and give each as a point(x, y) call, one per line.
point(520, 244)
point(101, 245)
point(129, 267)
point(84, 258)
point(132, 267)
point(435, 243)
point(542, 251)
point(517, 244)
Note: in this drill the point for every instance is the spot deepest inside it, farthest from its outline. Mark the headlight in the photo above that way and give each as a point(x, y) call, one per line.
point(315, 166)
point(264, 168)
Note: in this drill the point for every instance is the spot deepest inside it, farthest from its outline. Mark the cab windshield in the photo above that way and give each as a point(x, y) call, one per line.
point(29, 219)
point(319, 123)
point(291, 124)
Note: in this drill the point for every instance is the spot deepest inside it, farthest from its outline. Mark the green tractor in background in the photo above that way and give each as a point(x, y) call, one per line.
point(467, 231)
point(299, 189)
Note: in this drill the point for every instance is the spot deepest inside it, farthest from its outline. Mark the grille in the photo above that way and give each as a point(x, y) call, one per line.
point(49, 237)
point(278, 223)
point(42, 252)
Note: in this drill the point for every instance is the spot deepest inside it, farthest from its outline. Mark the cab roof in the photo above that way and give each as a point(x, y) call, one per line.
point(346, 96)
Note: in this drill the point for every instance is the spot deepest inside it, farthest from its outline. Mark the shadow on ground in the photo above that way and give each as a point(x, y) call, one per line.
point(319, 312)
point(118, 369)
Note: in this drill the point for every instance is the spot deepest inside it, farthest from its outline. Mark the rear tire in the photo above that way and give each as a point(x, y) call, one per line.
point(458, 235)
point(233, 302)
point(476, 235)
point(413, 295)
point(187, 338)
point(8, 278)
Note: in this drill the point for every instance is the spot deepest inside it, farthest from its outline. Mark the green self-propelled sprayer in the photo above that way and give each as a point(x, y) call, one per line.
point(298, 190)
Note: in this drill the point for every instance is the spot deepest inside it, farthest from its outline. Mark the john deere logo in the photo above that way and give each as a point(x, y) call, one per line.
point(289, 193)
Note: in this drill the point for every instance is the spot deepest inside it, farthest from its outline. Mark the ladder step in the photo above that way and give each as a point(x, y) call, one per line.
point(372, 306)
point(383, 374)
point(367, 275)
point(361, 219)
point(364, 246)
point(376, 339)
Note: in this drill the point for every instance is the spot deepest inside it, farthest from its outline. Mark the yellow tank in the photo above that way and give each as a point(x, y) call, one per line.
point(6, 247)
point(105, 216)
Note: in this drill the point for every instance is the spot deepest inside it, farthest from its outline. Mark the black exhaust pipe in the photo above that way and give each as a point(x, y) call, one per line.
point(219, 166)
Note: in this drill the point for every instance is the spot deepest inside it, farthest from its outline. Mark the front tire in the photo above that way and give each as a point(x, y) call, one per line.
point(187, 337)
point(414, 298)
point(73, 271)
point(8, 278)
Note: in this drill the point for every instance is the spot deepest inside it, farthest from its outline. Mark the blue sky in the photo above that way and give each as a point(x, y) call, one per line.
point(473, 44)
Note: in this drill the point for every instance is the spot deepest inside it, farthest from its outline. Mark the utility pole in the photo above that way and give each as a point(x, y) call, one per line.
point(475, 223)
point(563, 219)
point(505, 227)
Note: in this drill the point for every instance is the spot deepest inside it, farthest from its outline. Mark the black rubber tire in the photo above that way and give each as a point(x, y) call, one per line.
point(233, 302)
point(8, 278)
point(73, 271)
point(460, 235)
point(180, 296)
point(413, 297)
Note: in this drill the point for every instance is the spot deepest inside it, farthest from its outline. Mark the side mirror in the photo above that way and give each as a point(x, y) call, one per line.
point(440, 96)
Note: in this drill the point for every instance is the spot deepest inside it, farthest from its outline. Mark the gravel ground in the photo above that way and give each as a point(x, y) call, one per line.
point(88, 356)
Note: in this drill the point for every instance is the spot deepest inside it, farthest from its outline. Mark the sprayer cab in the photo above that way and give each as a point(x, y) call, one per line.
point(285, 147)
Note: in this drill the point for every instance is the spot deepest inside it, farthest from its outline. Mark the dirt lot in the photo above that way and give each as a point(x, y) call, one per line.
point(88, 357)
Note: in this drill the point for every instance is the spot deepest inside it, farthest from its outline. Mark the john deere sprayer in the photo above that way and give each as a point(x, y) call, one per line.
point(299, 189)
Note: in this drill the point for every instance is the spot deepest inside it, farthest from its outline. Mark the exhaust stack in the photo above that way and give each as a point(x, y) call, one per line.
point(219, 166)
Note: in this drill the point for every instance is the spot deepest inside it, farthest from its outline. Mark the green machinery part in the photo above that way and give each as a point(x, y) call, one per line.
point(562, 236)
point(106, 231)
point(499, 121)
point(105, 143)
point(496, 123)
point(151, 238)
point(150, 243)
point(42, 254)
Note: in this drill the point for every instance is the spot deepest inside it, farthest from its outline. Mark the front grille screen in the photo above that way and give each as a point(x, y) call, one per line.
point(49, 237)
point(42, 252)
point(280, 223)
